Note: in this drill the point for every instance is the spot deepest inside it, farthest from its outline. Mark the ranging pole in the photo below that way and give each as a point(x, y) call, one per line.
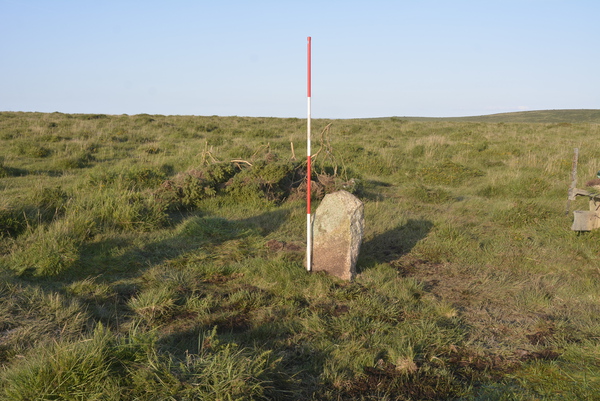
point(308, 173)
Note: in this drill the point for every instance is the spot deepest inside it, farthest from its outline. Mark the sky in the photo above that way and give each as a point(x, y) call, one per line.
point(375, 58)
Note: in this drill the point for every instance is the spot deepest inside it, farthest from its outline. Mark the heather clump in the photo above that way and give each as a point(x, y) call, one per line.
point(187, 190)
point(270, 180)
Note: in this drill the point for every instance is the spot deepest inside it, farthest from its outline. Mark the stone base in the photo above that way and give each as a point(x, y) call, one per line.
point(338, 226)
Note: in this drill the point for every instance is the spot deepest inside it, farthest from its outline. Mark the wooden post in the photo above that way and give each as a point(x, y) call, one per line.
point(573, 187)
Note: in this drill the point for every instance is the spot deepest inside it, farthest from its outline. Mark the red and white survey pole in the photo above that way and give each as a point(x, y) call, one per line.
point(308, 173)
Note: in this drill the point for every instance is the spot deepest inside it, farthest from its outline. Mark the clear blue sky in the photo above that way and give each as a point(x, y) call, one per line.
point(248, 58)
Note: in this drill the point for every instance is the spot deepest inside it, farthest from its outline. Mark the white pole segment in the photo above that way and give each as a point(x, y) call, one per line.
point(308, 190)
point(308, 169)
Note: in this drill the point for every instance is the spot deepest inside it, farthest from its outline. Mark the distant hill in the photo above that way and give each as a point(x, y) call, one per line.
point(573, 116)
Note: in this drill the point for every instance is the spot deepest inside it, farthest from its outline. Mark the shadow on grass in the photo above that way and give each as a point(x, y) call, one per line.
point(192, 232)
point(120, 260)
point(391, 245)
point(11, 171)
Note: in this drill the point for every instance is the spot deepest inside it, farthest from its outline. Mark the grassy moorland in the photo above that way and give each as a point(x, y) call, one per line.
point(158, 257)
point(573, 116)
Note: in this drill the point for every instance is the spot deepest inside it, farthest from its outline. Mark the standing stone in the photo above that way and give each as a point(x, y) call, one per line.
point(338, 226)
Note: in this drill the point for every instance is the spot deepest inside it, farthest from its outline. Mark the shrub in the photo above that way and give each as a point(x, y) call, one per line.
point(272, 181)
point(12, 223)
point(187, 190)
point(132, 178)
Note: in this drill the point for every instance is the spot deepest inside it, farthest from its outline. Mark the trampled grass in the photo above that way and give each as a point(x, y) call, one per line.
point(161, 257)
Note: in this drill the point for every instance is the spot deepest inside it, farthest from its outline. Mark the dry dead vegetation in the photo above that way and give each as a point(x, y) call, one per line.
point(160, 257)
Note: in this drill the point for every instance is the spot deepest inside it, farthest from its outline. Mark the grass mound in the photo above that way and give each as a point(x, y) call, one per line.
point(266, 180)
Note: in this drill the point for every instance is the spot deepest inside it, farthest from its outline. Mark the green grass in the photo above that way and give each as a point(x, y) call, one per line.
point(159, 257)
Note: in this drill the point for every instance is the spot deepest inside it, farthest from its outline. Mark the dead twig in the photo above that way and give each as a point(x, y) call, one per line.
point(325, 146)
point(322, 142)
point(267, 147)
point(241, 161)
point(206, 154)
